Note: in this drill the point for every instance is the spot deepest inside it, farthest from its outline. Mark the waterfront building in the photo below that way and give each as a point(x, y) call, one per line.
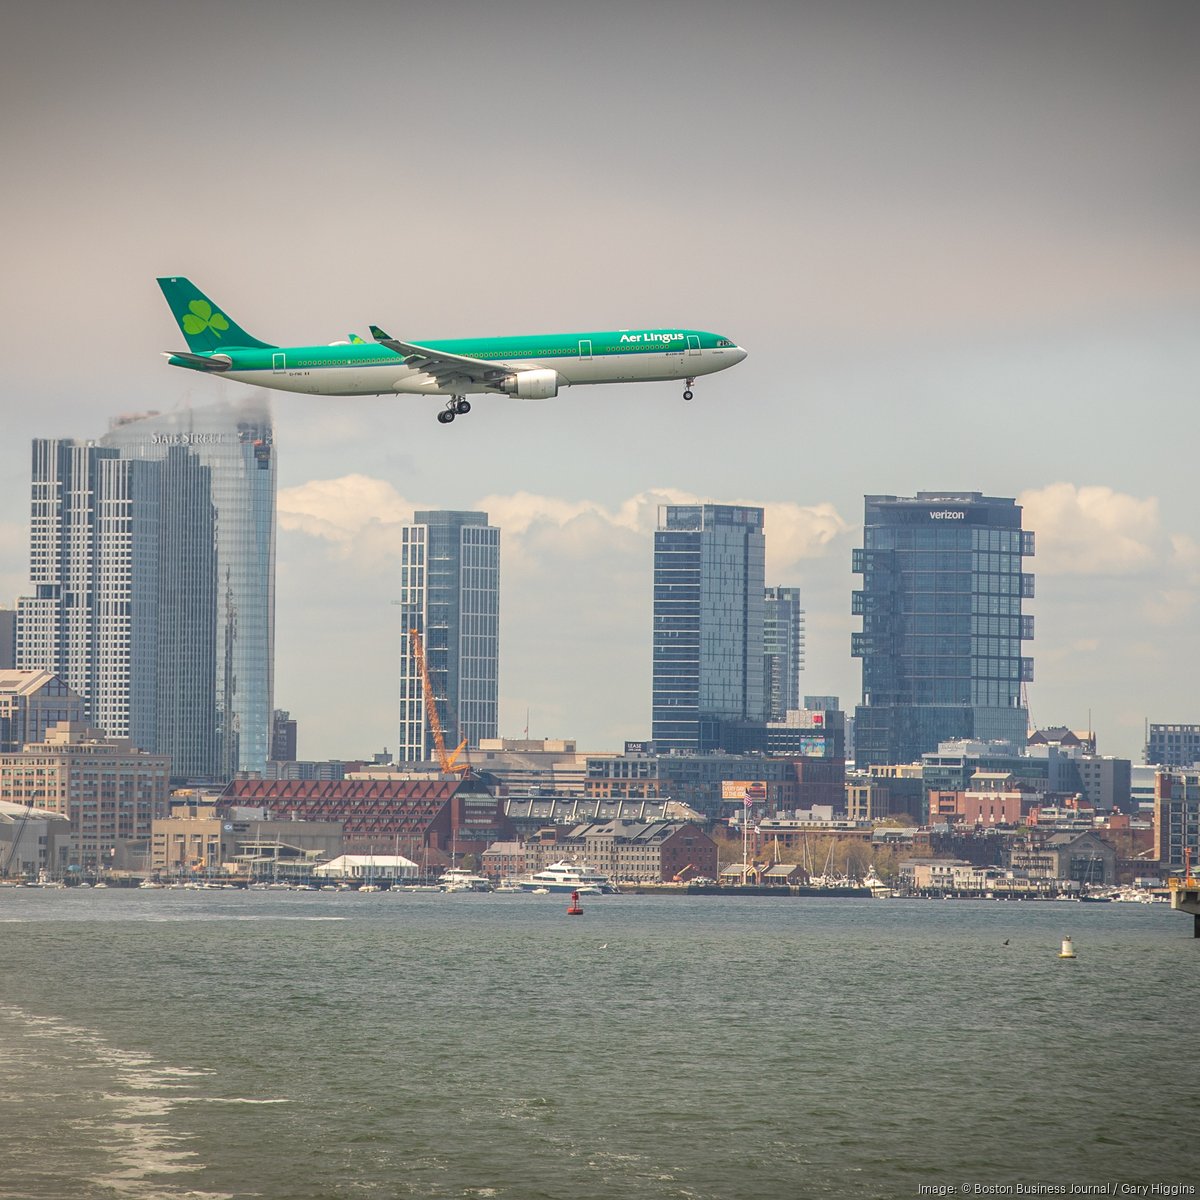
point(943, 623)
point(110, 790)
point(783, 650)
point(200, 839)
point(450, 593)
point(709, 590)
point(528, 814)
point(218, 568)
point(32, 840)
point(1177, 820)
point(1080, 857)
point(30, 703)
point(644, 852)
point(1173, 745)
point(399, 815)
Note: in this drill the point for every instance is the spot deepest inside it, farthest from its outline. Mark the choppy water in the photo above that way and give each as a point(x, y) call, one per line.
point(299, 1045)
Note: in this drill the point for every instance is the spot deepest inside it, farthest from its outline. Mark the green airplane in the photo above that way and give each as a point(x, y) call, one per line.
point(528, 367)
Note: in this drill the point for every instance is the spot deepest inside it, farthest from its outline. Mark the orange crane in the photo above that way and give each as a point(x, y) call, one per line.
point(447, 762)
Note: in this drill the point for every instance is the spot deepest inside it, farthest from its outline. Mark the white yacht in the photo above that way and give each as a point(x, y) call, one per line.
point(455, 879)
point(569, 877)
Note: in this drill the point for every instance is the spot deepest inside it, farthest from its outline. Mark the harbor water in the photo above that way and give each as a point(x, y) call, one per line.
point(305, 1045)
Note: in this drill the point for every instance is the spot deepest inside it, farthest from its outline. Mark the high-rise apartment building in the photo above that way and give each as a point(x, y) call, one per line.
point(709, 589)
point(1173, 745)
point(220, 576)
point(152, 556)
point(943, 623)
point(283, 736)
point(450, 593)
point(93, 618)
point(783, 650)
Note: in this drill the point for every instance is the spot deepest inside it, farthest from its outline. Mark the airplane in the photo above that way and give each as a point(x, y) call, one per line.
point(530, 367)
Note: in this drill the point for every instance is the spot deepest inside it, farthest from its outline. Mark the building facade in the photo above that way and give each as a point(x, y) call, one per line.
point(783, 650)
point(222, 574)
point(1177, 820)
point(709, 598)
point(1173, 745)
point(450, 593)
point(943, 623)
point(31, 702)
point(111, 791)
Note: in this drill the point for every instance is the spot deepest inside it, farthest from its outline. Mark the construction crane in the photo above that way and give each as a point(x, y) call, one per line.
point(447, 762)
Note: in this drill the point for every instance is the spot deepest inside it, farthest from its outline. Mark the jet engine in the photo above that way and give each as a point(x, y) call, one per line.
point(531, 385)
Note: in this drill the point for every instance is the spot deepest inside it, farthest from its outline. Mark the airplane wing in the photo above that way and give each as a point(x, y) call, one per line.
point(440, 365)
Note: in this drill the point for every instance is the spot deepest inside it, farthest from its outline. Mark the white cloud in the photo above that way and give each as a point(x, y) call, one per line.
point(1093, 530)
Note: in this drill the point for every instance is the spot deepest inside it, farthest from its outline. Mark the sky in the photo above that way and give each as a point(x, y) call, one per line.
point(960, 243)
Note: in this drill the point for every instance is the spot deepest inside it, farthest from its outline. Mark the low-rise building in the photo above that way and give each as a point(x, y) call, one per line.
point(110, 791)
point(1081, 857)
point(30, 840)
point(201, 839)
point(635, 852)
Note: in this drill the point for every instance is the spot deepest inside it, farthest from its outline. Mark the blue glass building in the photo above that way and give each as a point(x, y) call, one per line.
point(450, 591)
point(231, 452)
point(943, 623)
point(709, 569)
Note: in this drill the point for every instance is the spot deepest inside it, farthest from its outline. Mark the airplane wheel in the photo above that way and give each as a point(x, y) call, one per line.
point(687, 395)
point(445, 416)
point(463, 406)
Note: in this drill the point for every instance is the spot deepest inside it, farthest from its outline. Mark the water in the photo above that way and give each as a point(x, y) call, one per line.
point(316, 1045)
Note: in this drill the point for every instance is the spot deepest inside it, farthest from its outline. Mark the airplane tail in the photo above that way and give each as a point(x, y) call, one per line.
point(204, 326)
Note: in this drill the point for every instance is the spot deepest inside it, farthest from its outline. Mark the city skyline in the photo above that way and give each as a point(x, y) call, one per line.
point(958, 244)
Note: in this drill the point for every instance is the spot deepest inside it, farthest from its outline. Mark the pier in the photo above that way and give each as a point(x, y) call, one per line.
point(1185, 897)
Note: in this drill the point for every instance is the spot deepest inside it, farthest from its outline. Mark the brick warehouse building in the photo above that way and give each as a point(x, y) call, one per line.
point(386, 815)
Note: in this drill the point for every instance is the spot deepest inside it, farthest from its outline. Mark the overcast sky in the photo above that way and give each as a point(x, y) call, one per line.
point(960, 242)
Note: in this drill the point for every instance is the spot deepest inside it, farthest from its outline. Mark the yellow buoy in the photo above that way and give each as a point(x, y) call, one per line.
point(1067, 951)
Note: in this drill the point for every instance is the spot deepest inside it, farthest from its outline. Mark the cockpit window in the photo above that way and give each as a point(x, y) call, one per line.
point(724, 342)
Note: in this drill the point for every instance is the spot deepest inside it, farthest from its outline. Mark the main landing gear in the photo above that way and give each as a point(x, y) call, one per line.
point(687, 387)
point(456, 406)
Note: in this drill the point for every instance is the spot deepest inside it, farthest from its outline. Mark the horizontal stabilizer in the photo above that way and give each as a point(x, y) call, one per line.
point(198, 362)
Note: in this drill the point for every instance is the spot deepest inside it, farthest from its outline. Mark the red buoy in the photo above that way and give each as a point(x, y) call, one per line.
point(574, 910)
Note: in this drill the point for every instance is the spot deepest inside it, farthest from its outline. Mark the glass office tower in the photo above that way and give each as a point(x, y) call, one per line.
point(783, 650)
point(450, 591)
point(943, 626)
point(234, 441)
point(709, 568)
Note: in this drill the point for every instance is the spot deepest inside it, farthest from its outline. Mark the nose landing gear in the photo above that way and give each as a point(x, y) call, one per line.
point(687, 388)
point(456, 406)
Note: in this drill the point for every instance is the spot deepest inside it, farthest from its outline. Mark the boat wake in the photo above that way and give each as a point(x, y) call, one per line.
point(112, 1106)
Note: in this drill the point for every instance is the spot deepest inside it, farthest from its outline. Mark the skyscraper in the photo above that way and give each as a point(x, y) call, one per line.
point(152, 557)
point(941, 603)
point(783, 650)
point(709, 568)
point(450, 592)
point(232, 444)
point(93, 618)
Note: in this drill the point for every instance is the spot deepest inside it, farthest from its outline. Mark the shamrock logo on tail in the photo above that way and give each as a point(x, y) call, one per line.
point(200, 316)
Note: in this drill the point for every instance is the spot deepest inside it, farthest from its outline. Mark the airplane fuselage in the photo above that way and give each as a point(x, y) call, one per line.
point(367, 369)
